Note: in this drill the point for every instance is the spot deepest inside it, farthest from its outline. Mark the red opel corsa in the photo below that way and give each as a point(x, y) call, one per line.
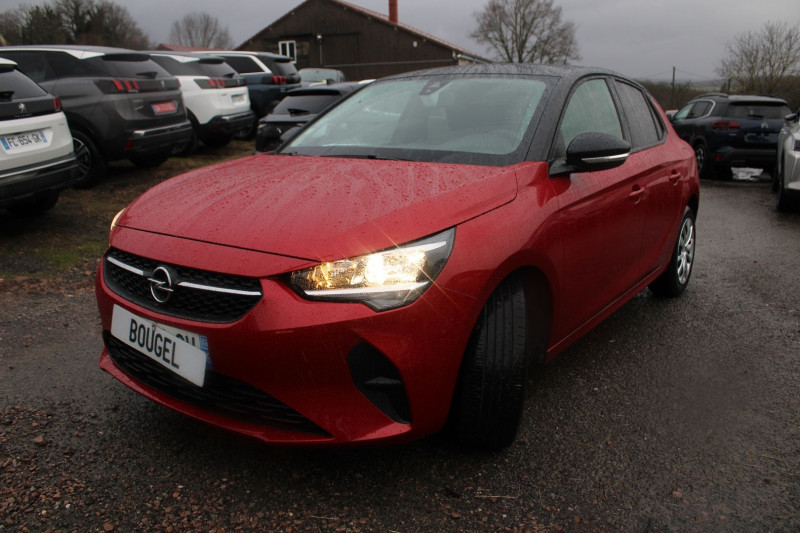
point(403, 261)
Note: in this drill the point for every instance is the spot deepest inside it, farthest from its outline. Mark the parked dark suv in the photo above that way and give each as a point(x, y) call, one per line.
point(268, 77)
point(731, 131)
point(119, 103)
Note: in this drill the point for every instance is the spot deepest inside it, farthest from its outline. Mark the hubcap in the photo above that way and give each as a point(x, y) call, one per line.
point(700, 155)
point(685, 255)
point(83, 156)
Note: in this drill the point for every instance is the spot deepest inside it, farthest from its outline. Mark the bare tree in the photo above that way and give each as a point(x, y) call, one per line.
point(526, 31)
point(763, 62)
point(200, 30)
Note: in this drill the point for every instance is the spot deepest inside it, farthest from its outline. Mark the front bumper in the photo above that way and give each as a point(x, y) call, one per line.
point(21, 183)
point(320, 373)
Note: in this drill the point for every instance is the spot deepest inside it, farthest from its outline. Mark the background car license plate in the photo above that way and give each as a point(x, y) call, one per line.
point(161, 108)
point(25, 141)
point(163, 344)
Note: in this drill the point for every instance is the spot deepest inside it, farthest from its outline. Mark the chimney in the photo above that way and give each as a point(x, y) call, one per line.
point(393, 11)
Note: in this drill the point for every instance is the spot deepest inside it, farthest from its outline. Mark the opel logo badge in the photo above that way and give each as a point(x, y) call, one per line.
point(160, 285)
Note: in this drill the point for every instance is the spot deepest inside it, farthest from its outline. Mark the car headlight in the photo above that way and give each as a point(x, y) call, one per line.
point(382, 280)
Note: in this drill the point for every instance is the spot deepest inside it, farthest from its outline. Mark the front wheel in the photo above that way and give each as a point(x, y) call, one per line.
point(488, 402)
point(675, 279)
point(92, 166)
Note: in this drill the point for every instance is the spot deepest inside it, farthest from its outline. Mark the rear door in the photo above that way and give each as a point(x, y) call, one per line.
point(660, 169)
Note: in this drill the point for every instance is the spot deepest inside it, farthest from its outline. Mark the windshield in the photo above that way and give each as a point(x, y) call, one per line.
point(479, 120)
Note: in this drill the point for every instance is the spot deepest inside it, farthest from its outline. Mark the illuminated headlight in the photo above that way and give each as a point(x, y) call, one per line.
point(382, 280)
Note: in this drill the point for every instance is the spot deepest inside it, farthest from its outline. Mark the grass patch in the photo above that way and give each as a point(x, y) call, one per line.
point(63, 246)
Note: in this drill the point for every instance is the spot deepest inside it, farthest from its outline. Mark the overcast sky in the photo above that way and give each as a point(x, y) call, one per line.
point(640, 38)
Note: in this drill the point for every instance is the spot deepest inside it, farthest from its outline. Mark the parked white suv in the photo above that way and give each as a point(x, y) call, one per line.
point(215, 96)
point(37, 159)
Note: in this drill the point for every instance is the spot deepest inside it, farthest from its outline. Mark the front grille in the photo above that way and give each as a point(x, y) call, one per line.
point(197, 294)
point(219, 394)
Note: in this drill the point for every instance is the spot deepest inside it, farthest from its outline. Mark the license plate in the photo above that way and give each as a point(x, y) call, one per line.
point(161, 108)
point(176, 350)
point(25, 141)
point(236, 98)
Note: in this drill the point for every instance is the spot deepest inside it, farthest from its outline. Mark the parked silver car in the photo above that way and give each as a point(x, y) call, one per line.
point(787, 168)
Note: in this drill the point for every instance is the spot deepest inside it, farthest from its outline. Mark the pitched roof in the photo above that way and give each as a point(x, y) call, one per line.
point(380, 17)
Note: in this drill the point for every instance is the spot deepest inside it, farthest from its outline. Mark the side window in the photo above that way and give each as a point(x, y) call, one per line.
point(700, 109)
point(590, 109)
point(33, 64)
point(67, 66)
point(641, 121)
point(683, 113)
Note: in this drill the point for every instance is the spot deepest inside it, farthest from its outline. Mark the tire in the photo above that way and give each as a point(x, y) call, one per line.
point(92, 166)
point(488, 402)
point(36, 205)
point(675, 279)
point(703, 162)
point(149, 160)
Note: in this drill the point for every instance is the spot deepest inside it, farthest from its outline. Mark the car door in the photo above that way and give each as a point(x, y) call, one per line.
point(601, 218)
point(659, 170)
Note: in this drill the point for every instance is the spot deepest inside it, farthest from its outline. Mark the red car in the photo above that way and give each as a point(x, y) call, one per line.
point(400, 264)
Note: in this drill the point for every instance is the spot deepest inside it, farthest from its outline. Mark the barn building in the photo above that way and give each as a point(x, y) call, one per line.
point(362, 43)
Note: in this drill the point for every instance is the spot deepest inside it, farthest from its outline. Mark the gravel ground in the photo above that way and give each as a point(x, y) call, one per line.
point(673, 415)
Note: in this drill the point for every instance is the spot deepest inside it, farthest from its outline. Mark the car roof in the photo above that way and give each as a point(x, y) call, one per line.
point(567, 72)
point(276, 57)
point(186, 57)
point(80, 52)
point(739, 98)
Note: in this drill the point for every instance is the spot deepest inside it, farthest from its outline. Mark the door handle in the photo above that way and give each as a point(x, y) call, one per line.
point(636, 194)
point(674, 177)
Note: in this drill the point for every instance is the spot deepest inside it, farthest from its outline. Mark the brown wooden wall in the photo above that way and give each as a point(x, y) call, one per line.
point(360, 46)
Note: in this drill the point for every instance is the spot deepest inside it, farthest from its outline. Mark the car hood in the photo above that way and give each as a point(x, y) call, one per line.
point(318, 208)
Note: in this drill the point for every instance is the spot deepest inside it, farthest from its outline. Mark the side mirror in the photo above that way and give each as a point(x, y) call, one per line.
point(791, 118)
point(591, 152)
point(289, 134)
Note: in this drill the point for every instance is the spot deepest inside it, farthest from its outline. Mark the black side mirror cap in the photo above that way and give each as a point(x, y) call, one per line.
point(591, 152)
